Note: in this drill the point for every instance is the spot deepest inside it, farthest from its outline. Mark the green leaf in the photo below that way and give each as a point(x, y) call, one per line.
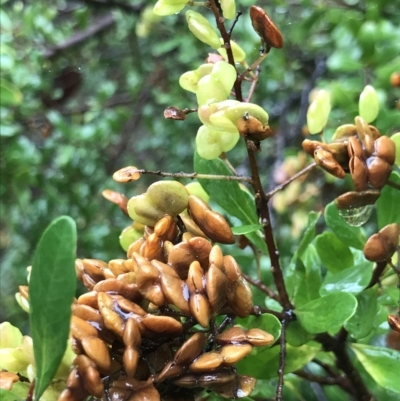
point(351, 280)
point(19, 391)
point(229, 195)
point(247, 229)
point(351, 236)
point(362, 322)
point(264, 363)
point(10, 94)
point(334, 254)
point(326, 312)
point(296, 335)
point(313, 279)
point(266, 322)
point(388, 203)
point(383, 364)
point(51, 292)
point(309, 233)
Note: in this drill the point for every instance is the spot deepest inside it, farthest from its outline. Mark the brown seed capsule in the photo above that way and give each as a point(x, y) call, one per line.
point(126, 174)
point(385, 149)
point(213, 224)
point(153, 247)
point(90, 376)
point(117, 266)
point(75, 389)
point(135, 247)
point(81, 329)
point(173, 113)
point(163, 325)
point(195, 280)
point(119, 199)
point(190, 349)
point(265, 27)
point(120, 287)
point(132, 336)
point(128, 306)
point(252, 128)
point(90, 299)
point(326, 160)
point(98, 352)
point(192, 227)
point(171, 369)
point(354, 199)
point(130, 359)
point(240, 297)
point(259, 338)
point(383, 244)
point(166, 228)
point(239, 388)
point(359, 173)
point(231, 268)
point(146, 393)
point(206, 362)
point(176, 292)
point(365, 135)
point(216, 288)
point(88, 282)
point(311, 146)
point(200, 309)
point(354, 147)
point(378, 171)
point(7, 379)
point(87, 313)
point(233, 353)
point(234, 335)
point(394, 322)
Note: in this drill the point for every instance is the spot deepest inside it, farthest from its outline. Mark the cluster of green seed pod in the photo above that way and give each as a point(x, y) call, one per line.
point(147, 327)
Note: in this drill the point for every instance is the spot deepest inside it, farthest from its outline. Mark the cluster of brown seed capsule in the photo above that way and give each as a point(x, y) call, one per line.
point(134, 332)
point(358, 149)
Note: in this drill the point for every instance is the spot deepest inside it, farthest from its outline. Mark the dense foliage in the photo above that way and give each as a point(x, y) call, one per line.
point(84, 86)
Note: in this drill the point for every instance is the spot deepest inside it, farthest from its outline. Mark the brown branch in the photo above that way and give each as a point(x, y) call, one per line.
point(262, 287)
point(259, 310)
point(379, 269)
point(324, 380)
point(100, 25)
point(282, 356)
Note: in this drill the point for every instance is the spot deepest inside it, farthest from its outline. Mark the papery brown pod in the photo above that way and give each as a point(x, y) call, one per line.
point(87, 313)
point(74, 388)
point(90, 299)
point(326, 160)
point(112, 320)
point(94, 268)
point(119, 199)
point(192, 227)
point(240, 297)
point(216, 256)
point(90, 376)
point(130, 359)
point(117, 266)
point(81, 329)
point(87, 281)
point(135, 247)
point(385, 148)
point(311, 146)
point(365, 135)
point(234, 335)
point(146, 393)
point(339, 151)
point(176, 292)
point(120, 287)
point(210, 380)
point(354, 199)
point(252, 128)
point(233, 353)
point(213, 224)
point(200, 309)
point(231, 268)
point(359, 173)
point(259, 338)
point(166, 228)
point(242, 387)
point(265, 27)
point(132, 336)
point(354, 148)
point(382, 245)
point(153, 248)
point(128, 306)
point(163, 325)
point(171, 369)
point(394, 322)
point(190, 349)
point(378, 171)
point(216, 288)
point(173, 113)
point(126, 174)
point(206, 362)
point(98, 352)
point(195, 280)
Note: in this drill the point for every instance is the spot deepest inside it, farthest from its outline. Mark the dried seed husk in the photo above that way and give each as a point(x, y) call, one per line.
point(87, 313)
point(132, 336)
point(216, 256)
point(394, 322)
point(242, 387)
point(206, 362)
point(265, 27)
point(163, 325)
point(126, 174)
point(166, 228)
point(112, 320)
point(231, 268)
point(98, 352)
point(152, 247)
point(365, 135)
point(116, 197)
point(171, 369)
point(130, 359)
point(94, 268)
point(146, 393)
point(195, 280)
point(135, 247)
point(385, 148)
point(75, 389)
point(354, 148)
point(163, 268)
point(240, 297)
point(89, 299)
point(128, 306)
point(7, 379)
point(213, 224)
point(88, 282)
point(81, 329)
point(311, 146)
point(326, 160)
point(176, 292)
point(382, 245)
point(117, 266)
point(90, 375)
point(252, 128)
point(359, 173)
point(115, 286)
point(233, 353)
point(259, 338)
point(130, 265)
point(119, 394)
point(216, 288)
point(378, 171)
point(354, 199)
point(190, 349)
point(200, 309)
point(234, 335)
point(192, 227)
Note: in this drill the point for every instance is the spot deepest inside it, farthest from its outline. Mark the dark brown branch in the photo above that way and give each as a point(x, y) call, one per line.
point(100, 25)
point(325, 380)
point(379, 269)
point(282, 356)
point(259, 310)
point(393, 184)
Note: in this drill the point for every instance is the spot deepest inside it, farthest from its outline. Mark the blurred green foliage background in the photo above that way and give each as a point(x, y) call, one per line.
point(83, 89)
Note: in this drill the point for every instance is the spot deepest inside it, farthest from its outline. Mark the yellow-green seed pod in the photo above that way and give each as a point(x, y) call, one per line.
point(169, 7)
point(238, 53)
point(228, 8)
point(318, 112)
point(396, 139)
point(368, 106)
point(202, 29)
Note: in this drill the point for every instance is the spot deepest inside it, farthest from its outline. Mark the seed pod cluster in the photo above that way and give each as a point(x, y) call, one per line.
point(360, 150)
point(131, 330)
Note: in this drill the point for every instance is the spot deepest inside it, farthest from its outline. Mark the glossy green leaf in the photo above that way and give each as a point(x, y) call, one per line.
point(309, 233)
point(264, 364)
point(334, 254)
point(388, 203)
point(362, 322)
point(296, 335)
point(10, 94)
point(313, 279)
point(51, 292)
point(351, 236)
point(229, 195)
point(383, 364)
point(266, 322)
point(247, 229)
point(351, 280)
point(326, 312)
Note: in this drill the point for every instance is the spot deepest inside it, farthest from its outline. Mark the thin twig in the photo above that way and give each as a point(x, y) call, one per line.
point(325, 380)
point(393, 184)
point(282, 186)
point(262, 287)
point(282, 359)
point(192, 176)
point(254, 83)
point(260, 310)
point(379, 269)
point(238, 14)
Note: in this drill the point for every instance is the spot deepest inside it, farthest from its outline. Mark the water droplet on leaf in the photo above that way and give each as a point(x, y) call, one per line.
point(356, 216)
